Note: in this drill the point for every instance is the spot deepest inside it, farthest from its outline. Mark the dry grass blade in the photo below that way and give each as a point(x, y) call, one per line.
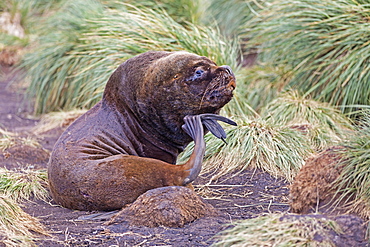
point(279, 230)
point(9, 139)
point(55, 120)
point(16, 226)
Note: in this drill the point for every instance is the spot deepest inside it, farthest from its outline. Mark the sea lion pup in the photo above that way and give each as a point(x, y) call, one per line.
point(128, 143)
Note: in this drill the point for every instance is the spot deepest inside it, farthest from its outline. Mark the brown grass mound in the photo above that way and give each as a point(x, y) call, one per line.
point(312, 187)
point(172, 206)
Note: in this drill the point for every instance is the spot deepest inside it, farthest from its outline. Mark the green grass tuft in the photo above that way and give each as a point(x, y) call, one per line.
point(260, 84)
point(70, 68)
point(230, 16)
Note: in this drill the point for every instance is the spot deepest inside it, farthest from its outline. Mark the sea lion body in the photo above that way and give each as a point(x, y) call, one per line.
point(128, 142)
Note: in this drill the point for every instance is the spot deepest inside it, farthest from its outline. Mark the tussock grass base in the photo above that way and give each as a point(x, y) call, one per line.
point(312, 187)
point(353, 183)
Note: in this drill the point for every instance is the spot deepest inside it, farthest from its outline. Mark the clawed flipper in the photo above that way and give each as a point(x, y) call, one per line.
point(210, 122)
point(194, 127)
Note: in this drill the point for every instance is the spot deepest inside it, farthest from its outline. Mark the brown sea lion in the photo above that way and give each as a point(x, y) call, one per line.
point(128, 143)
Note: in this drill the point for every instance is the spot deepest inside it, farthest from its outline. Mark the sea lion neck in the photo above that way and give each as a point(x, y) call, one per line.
point(146, 142)
point(121, 95)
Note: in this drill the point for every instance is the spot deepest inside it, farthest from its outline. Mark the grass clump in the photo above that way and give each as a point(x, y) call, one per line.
point(353, 183)
point(330, 43)
point(10, 139)
point(277, 149)
point(51, 66)
point(260, 84)
point(279, 230)
point(231, 15)
point(16, 226)
point(23, 184)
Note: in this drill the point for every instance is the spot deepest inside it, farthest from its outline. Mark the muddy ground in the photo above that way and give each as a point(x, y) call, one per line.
point(248, 194)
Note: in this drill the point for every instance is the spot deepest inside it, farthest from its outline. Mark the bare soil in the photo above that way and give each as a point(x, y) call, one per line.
point(238, 196)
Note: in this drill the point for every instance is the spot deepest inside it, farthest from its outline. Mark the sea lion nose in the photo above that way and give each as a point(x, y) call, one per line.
point(227, 69)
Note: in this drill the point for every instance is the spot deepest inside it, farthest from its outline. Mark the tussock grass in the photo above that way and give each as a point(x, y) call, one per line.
point(16, 226)
point(326, 43)
point(277, 149)
point(50, 66)
point(279, 230)
point(353, 184)
point(323, 125)
point(89, 46)
point(23, 184)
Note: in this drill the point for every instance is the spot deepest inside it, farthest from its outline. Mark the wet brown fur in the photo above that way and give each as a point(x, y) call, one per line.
point(128, 143)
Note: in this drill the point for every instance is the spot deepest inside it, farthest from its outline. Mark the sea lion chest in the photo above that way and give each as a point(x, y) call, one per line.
point(103, 132)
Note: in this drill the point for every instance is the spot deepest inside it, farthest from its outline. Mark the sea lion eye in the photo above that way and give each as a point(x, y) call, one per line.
point(198, 73)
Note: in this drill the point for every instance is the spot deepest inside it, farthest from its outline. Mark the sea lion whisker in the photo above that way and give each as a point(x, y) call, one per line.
point(210, 87)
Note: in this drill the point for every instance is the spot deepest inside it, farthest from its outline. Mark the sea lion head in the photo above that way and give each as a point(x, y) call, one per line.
point(161, 88)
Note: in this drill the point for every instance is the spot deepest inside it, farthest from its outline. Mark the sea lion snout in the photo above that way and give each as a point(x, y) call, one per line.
point(232, 84)
point(221, 87)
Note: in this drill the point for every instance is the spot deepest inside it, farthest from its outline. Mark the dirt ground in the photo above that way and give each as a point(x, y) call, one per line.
point(245, 195)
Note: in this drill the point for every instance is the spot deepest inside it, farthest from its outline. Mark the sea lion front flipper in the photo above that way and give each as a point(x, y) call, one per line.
point(193, 127)
point(210, 122)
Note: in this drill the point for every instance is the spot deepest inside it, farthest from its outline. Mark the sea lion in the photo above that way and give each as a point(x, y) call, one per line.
point(153, 105)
